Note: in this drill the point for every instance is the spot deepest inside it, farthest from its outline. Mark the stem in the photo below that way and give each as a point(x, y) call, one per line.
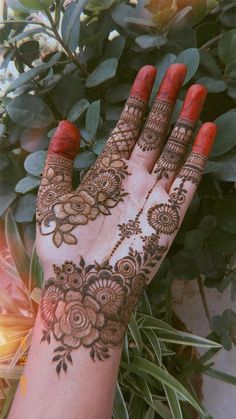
point(204, 300)
point(80, 66)
point(210, 43)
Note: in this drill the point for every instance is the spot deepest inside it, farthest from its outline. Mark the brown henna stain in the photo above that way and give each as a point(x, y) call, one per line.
point(143, 83)
point(194, 102)
point(205, 139)
point(65, 140)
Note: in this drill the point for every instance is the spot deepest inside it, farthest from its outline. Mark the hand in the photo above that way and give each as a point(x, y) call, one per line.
point(101, 244)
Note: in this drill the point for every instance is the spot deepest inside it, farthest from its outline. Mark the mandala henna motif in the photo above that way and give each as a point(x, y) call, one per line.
point(156, 126)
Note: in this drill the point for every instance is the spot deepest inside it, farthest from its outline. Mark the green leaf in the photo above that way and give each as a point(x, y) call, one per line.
point(34, 163)
point(150, 41)
point(213, 85)
point(30, 111)
point(29, 51)
point(150, 414)
point(32, 73)
point(187, 339)
point(165, 378)
point(227, 47)
point(135, 333)
point(16, 247)
point(226, 133)
point(98, 6)
point(153, 339)
point(226, 169)
point(98, 147)
point(119, 408)
point(92, 118)
point(77, 110)
point(173, 402)
point(70, 27)
point(211, 263)
point(118, 93)
point(224, 212)
point(222, 376)
point(37, 4)
point(33, 139)
point(17, 6)
point(84, 160)
point(27, 184)
point(103, 72)
point(67, 93)
point(114, 48)
point(24, 209)
point(194, 240)
point(7, 196)
point(4, 162)
point(222, 241)
point(191, 58)
point(36, 271)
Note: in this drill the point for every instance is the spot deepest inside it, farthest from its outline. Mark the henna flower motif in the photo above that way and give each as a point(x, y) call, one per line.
point(107, 181)
point(164, 218)
point(79, 321)
point(78, 208)
point(113, 333)
point(47, 196)
point(129, 229)
point(108, 290)
point(51, 295)
point(126, 267)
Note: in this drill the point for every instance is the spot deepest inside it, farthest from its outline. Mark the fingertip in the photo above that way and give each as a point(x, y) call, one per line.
point(143, 83)
point(172, 82)
point(205, 139)
point(66, 140)
point(193, 103)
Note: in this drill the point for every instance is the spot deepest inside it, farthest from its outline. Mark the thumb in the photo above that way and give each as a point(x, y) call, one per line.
point(57, 173)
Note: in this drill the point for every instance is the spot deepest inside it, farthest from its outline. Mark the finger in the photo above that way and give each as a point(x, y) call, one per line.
point(57, 174)
point(177, 146)
point(126, 132)
point(150, 142)
point(185, 185)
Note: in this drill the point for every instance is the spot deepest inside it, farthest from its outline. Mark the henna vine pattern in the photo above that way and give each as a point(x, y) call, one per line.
point(90, 306)
point(155, 129)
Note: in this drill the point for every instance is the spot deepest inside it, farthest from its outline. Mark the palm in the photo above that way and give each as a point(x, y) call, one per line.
point(102, 244)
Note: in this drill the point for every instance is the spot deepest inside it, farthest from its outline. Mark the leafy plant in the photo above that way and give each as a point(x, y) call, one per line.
point(78, 62)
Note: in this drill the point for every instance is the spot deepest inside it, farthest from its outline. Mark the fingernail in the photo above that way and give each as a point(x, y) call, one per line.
point(193, 103)
point(65, 140)
point(205, 139)
point(172, 83)
point(143, 82)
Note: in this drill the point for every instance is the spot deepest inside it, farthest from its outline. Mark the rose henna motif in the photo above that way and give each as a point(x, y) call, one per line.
point(90, 306)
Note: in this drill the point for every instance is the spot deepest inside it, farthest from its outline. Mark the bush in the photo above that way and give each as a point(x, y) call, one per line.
point(88, 86)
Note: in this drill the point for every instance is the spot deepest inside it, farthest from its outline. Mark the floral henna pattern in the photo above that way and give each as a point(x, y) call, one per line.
point(90, 306)
point(58, 212)
point(155, 129)
point(175, 150)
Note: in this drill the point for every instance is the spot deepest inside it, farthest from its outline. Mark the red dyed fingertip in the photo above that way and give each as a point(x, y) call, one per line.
point(172, 82)
point(193, 103)
point(66, 140)
point(143, 82)
point(205, 139)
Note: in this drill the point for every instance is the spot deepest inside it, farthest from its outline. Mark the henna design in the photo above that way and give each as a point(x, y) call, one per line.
point(129, 229)
point(193, 169)
point(124, 135)
point(175, 150)
point(90, 306)
point(59, 212)
point(156, 126)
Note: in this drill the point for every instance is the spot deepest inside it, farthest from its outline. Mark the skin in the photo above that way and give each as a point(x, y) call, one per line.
point(148, 186)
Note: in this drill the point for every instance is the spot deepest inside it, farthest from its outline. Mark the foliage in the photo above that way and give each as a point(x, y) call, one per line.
point(86, 78)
